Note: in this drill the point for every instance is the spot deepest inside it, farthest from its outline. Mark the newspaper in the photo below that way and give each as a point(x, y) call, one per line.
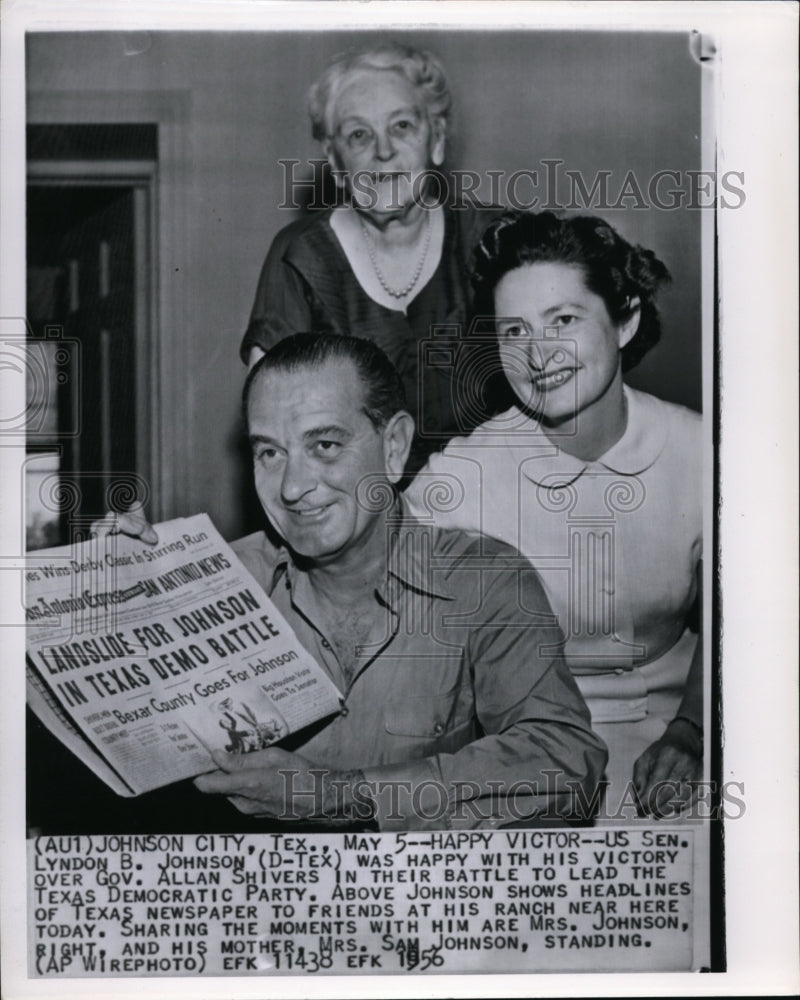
point(144, 658)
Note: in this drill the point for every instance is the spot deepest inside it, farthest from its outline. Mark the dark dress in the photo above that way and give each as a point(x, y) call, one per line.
point(307, 284)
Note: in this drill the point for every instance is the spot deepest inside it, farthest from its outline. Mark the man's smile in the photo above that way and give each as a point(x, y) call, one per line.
point(309, 513)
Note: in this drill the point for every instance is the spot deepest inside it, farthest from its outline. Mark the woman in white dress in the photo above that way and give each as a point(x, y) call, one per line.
point(597, 484)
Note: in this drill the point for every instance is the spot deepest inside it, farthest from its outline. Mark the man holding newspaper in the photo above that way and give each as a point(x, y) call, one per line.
point(458, 711)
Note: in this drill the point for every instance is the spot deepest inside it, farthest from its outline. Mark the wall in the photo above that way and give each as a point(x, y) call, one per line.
point(603, 101)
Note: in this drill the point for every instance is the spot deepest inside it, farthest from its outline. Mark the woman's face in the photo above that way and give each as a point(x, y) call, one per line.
point(382, 140)
point(559, 347)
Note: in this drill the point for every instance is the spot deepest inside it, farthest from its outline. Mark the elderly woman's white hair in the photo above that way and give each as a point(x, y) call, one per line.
point(422, 69)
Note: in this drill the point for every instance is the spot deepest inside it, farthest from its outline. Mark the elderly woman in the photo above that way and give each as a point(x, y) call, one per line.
point(388, 264)
point(599, 485)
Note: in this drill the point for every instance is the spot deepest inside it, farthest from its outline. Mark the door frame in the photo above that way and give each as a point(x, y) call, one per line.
point(164, 386)
point(140, 176)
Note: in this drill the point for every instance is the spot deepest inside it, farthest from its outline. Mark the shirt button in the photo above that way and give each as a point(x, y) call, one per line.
point(438, 729)
point(325, 644)
point(345, 711)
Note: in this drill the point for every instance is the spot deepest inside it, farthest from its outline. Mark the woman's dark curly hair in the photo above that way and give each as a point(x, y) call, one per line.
point(613, 269)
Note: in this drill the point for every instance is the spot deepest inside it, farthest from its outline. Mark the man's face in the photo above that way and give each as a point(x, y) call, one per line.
point(312, 446)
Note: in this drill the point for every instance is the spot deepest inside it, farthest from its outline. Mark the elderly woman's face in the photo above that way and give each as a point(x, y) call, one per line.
point(381, 138)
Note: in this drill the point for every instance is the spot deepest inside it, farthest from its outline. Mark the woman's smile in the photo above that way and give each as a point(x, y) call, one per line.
point(548, 381)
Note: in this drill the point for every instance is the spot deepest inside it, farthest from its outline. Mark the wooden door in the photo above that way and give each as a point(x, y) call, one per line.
point(88, 235)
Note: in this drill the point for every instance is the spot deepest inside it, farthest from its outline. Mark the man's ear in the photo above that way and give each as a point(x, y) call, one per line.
point(397, 437)
point(629, 326)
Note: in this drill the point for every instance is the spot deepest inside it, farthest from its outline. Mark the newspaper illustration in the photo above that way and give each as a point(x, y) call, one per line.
point(143, 659)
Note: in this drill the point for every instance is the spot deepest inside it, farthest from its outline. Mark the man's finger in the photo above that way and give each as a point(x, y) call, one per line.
point(132, 522)
point(140, 527)
point(106, 525)
point(665, 798)
point(641, 771)
point(252, 807)
point(685, 774)
point(672, 799)
point(208, 782)
point(663, 765)
point(671, 792)
point(651, 774)
point(220, 783)
point(255, 760)
point(226, 761)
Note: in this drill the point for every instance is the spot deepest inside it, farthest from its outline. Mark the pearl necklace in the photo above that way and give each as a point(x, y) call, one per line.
point(396, 293)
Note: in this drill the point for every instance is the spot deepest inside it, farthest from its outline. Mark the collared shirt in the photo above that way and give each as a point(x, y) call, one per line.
point(616, 541)
point(457, 714)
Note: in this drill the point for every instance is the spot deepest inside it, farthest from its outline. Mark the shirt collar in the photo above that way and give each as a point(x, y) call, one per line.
point(282, 567)
point(411, 557)
point(638, 448)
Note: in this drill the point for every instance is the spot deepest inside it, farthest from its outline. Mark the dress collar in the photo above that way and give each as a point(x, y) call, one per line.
point(638, 448)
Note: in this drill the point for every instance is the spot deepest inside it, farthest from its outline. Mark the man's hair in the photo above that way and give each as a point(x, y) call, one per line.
point(383, 390)
point(422, 69)
point(614, 269)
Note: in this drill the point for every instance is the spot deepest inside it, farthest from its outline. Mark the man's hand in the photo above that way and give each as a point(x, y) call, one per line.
point(664, 773)
point(281, 785)
point(131, 522)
